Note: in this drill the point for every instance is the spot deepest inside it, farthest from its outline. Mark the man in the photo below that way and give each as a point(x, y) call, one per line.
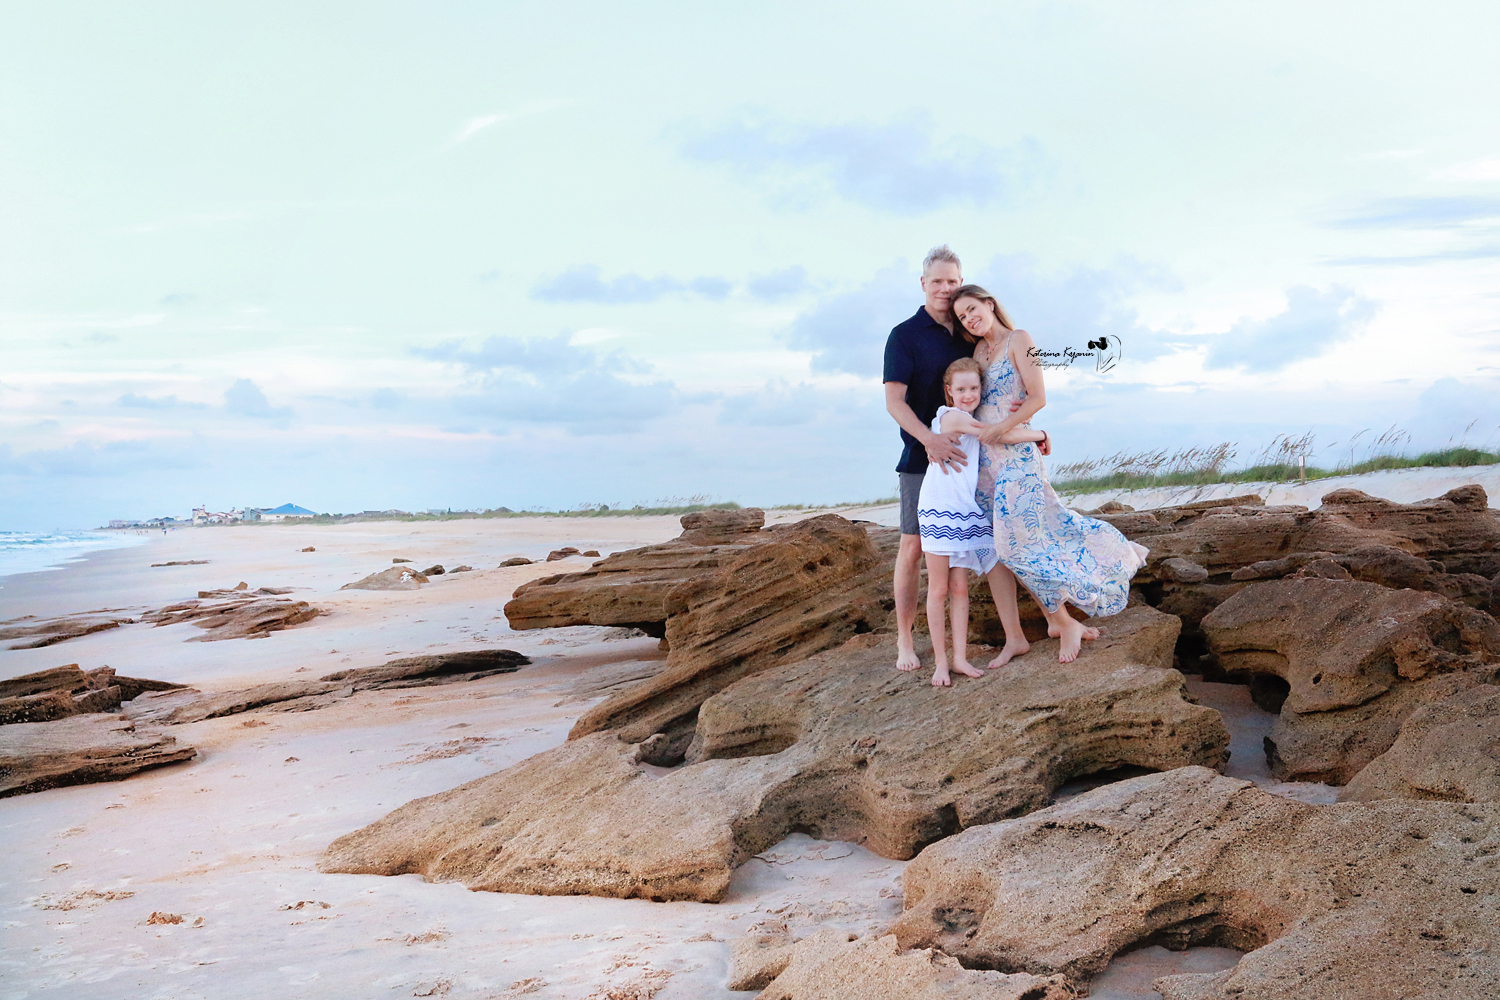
point(917, 353)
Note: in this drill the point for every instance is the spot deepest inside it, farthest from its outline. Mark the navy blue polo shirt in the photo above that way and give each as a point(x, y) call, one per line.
point(917, 353)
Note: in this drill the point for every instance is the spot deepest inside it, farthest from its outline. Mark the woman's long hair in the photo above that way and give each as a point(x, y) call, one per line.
point(977, 292)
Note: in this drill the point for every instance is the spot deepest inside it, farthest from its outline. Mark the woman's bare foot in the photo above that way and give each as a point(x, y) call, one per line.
point(1072, 641)
point(1089, 632)
point(967, 669)
point(940, 678)
point(906, 657)
point(1010, 652)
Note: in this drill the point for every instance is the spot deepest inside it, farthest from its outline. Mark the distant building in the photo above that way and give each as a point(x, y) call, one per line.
point(287, 511)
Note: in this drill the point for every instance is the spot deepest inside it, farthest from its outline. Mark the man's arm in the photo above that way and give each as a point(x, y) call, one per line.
point(942, 449)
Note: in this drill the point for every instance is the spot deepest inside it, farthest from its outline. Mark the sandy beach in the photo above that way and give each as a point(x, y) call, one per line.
point(229, 841)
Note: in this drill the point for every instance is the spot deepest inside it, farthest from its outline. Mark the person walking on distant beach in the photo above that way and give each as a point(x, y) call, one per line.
point(1062, 557)
point(917, 353)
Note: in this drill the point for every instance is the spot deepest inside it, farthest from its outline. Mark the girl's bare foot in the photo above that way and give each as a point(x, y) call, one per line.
point(1010, 652)
point(906, 658)
point(1072, 641)
point(940, 679)
point(967, 669)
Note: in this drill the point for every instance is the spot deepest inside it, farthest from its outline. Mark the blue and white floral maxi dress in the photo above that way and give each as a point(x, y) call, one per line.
point(1059, 554)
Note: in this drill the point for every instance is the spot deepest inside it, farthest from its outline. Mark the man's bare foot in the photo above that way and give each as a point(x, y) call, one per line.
point(1009, 653)
point(1089, 632)
point(967, 669)
point(1072, 641)
point(940, 678)
point(906, 657)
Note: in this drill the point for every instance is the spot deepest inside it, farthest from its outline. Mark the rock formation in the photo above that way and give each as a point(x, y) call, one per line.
point(66, 691)
point(306, 695)
point(1203, 553)
point(74, 751)
point(1356, 657)
point(50, 631)
point(395, 578)
point(839, 746)
point(1448, 749)
point(829, 966)
point(730, 599)
point(1382, 899)
point(236, 614)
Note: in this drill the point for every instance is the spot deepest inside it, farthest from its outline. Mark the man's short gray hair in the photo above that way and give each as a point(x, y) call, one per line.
point(941, 254)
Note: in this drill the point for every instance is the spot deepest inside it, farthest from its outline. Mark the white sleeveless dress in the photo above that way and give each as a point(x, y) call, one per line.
point(950, 519)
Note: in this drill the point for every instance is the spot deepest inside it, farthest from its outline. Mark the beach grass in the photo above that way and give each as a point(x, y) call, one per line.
point(1283, 460)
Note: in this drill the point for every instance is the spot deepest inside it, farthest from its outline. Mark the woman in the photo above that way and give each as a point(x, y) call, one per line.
point(1061, 556)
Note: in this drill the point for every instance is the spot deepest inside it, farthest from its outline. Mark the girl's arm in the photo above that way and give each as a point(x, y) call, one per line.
point(1036, 393)
point(963, 423)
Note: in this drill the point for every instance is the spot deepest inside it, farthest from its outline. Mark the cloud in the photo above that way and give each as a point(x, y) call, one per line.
point(846, 332)
point(552, 380)
point(157, 402)
point(779, 284)
point(1312, 322)
point(1453, 412)
point(1417, 260)
point(1422, 213)
point(246, 399)
point(1475, 170)
point(481, 123)
point(178, 299)
point(585, 284)
point(898, 167)
point(385, 399)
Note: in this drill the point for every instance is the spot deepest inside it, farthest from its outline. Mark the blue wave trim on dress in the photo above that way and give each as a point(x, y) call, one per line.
point(955, 533)
point(953, 515)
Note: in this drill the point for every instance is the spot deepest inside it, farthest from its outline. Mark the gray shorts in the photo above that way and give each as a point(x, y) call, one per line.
point(911, 490)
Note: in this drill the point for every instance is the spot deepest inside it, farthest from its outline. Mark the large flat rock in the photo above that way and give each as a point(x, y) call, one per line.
point(1448, 749)
point(827, 966)
point(1357, 658)
point(79, 750)
point(840, 746)
point(1380, 900)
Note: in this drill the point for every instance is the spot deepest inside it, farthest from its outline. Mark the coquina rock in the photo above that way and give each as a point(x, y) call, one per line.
point(36, 756)
point(1448, 749)
point(1379, 900)
point(839, 745)
point(1357, 658)
point(828, 966)
point(190, 705)
point(66, 691)
point(1203, 553)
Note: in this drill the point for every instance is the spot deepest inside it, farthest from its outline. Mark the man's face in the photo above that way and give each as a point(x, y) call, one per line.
point(940, 282)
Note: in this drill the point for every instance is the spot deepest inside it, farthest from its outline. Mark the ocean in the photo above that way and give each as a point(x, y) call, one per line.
point(31, 551)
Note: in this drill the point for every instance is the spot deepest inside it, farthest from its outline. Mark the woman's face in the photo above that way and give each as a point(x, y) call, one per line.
point(975, 314)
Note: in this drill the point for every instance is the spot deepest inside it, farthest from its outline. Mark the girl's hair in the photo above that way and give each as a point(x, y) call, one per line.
point(976, 292)
point(961, 365)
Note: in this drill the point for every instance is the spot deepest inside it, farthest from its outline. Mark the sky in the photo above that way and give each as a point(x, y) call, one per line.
point(371, 255)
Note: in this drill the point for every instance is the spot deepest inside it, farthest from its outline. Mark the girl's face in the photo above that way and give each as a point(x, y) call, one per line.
point(965, 391)
point(975, 314)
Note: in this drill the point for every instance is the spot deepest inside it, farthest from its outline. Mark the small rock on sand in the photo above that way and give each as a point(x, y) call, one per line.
point(516, 561)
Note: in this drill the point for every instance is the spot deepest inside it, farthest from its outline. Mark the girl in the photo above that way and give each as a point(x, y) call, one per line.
point(956, 535)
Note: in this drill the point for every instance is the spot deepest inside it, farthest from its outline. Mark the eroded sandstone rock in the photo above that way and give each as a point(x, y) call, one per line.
point(839, 746)
point(395, 578)
point(48, 632)
point(829, 966)
point(307, 695)
point(66, 691)
point(803, 588)
point(1448, 749)
point(1381, 899)
point(80, 750)
point(1355, 656)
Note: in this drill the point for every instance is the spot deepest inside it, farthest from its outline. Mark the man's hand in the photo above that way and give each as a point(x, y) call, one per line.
point(943, 451)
